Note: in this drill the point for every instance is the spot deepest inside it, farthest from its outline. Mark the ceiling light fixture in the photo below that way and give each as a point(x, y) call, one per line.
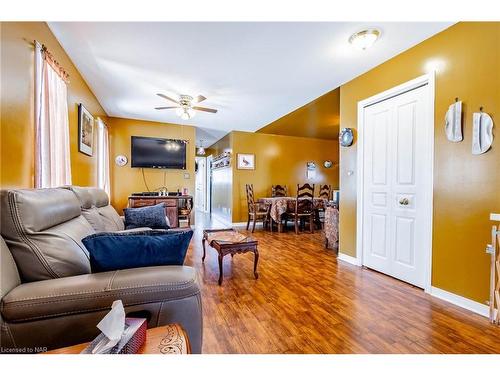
point(201, 149)
point(365, 38)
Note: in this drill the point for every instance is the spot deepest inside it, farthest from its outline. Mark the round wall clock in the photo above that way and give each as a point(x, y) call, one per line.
point(328, 163)
point(121, 160)
point(346, 137)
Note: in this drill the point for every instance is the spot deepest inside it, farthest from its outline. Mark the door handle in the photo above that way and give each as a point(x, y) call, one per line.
point(404, 201)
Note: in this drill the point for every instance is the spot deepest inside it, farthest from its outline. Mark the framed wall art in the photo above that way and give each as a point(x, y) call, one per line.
point(85, 131)
point(246, 161)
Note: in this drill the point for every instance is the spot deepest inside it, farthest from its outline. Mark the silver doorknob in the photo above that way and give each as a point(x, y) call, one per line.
point(404, 202)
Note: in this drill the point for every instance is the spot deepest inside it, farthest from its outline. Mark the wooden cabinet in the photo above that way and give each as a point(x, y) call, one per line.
point(172, 205)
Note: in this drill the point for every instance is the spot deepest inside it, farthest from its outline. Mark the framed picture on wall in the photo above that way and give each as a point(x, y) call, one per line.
point(246, 161)
point(85, 131)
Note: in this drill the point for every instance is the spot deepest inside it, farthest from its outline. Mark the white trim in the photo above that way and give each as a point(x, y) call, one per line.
point(463, 302)
point(240, 224)
point(426, 79)
point(349, 259)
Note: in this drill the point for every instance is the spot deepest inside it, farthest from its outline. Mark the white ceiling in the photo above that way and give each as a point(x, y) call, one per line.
point(253, 73)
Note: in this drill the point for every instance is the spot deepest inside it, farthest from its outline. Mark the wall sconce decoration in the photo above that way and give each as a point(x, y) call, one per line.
point(453, 122)
point(346, 137)
point(482, 132)
point(121, 160)
point(311, 170)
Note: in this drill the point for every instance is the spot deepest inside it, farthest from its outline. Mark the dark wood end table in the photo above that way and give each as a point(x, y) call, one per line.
point(226, 247)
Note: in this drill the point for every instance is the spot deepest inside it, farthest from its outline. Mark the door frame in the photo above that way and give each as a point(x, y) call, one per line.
point(426, 79)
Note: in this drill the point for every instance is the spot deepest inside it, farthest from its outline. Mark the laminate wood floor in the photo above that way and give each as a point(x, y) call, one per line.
point(307, 301)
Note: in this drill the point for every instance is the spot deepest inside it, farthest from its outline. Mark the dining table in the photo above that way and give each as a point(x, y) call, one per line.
point(281, 205)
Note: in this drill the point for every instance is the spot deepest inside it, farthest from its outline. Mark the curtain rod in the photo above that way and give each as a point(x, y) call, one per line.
point(49, 57)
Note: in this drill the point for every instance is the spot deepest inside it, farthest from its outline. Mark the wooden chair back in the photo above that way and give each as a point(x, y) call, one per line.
point(279, 191)
point(325, 191)
point(250, 197)
point(304, 203)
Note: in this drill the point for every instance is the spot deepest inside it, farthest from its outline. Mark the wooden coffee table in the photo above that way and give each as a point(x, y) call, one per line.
point(227, 247)
point(169, 339)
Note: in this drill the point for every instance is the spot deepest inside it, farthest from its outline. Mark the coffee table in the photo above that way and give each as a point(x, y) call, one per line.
point(169, 339)
point(225, 247)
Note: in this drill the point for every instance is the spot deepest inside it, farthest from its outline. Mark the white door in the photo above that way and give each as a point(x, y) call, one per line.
point(200, 184)
point(396, 185)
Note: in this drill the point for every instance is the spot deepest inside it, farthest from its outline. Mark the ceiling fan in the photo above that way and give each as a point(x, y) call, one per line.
point(185, 108)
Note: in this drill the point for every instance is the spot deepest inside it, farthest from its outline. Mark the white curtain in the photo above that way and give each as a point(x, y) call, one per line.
point(52, 152)
point(103, 156)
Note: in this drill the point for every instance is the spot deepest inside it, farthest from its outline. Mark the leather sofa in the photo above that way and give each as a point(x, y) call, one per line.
point(50, 298)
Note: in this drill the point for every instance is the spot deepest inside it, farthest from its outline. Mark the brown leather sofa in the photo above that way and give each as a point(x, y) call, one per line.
point(49, 297)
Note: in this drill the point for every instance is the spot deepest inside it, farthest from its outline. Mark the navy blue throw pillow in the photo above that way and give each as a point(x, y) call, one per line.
point(150, 216)
point(118, 251)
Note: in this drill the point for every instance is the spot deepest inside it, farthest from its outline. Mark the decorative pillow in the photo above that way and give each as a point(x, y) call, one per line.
point(117, 251)
point(151, 216)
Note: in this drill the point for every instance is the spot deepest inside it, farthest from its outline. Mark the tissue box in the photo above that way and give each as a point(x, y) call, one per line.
point(132, 340)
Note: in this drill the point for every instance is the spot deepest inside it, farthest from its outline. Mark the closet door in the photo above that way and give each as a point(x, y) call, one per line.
point(395, 135)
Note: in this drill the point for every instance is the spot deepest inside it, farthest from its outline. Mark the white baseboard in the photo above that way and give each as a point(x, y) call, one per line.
point(349, 259)
point(466, 303)
point(240, 224)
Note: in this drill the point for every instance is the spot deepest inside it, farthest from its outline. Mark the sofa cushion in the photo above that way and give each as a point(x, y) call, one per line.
point(95, 292)
point(115, 251)
point(92, 197)
point(94, 218)
point(112, 221)
point(43, 229)
point(9, 276)
point(149, 216)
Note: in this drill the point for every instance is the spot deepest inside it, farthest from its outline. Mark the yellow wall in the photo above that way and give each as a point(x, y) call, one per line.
point(466, 186)
point(17, 105)
point(279, 160)
point(126, 180)
point(317, 119)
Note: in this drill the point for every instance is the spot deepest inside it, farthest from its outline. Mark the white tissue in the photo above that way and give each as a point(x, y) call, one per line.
point(112, 326)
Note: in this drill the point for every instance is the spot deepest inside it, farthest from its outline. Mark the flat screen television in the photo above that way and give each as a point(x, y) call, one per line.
point(158, 153)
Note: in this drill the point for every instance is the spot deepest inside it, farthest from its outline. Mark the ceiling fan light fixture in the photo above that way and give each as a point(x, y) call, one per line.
point(364, 39)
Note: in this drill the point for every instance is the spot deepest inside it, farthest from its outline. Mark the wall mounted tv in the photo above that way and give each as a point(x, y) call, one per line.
point(158, 153)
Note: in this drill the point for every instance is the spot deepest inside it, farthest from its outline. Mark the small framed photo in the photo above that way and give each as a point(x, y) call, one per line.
point(85, 131)
point(246, 161)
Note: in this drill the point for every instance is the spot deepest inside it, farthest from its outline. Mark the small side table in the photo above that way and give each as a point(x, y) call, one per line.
point(226, 247)
point(169, 339)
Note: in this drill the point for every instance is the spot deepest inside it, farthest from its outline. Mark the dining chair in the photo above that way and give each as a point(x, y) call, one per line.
point(325, 191)
point(256, 211)
point(304, 207)
point(279, 191)
point(325, 194)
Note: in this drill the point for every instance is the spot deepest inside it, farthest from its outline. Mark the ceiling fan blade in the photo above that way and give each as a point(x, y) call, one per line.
point(200, 98)
point(205, 109)
point(166, 107)
point(168, 98)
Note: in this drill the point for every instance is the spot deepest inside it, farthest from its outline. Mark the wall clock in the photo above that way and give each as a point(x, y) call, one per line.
point(121, 160)
point(328, 163)
point(346, 137)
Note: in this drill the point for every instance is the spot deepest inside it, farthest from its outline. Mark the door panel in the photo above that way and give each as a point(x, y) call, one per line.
point(394, 185)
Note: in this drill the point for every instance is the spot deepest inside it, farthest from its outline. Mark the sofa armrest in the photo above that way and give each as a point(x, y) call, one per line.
point(173, 288)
